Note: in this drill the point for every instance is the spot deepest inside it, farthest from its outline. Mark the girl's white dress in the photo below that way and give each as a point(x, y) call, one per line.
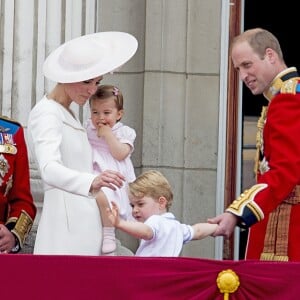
point(103, 160)
point(70, 220)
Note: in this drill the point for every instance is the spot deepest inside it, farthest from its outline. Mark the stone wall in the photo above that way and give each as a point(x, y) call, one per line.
point(171, 86)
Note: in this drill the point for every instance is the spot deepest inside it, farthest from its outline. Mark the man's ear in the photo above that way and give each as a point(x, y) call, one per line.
point(270, 53)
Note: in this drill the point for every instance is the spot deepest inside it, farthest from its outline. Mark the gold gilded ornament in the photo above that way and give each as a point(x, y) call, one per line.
point(228, 282)
point(4, 166)
point(8, 148)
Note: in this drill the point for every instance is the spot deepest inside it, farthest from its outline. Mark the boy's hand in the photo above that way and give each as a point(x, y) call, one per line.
point(113, 214)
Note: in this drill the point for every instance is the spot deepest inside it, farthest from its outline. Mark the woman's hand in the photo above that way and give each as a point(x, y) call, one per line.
point(108, 178)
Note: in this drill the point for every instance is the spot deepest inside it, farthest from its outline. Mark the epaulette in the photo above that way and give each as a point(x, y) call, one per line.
point(5, 118)
point(291, 86)
point(285, 82)
point(8, 125)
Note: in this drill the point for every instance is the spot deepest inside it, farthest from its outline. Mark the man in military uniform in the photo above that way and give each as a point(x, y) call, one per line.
point(17, 209)
point(270, 208)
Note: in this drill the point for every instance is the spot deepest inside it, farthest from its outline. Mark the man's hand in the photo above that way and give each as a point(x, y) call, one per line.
point(226, 222)
point(7, 240)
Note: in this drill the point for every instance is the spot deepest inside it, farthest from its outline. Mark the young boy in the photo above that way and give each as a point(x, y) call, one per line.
point(161, 234)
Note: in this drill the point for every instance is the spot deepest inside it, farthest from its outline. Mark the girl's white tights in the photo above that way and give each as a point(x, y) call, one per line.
point(109, 240)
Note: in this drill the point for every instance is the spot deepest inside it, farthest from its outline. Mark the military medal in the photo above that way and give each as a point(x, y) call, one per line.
point(4, 166)
point(8, 148)
point(7, 144)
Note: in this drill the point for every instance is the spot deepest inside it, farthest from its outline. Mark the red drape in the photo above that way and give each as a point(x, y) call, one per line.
point(43, 277)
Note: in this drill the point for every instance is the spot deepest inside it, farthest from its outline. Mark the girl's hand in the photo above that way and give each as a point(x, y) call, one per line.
point(103, 130)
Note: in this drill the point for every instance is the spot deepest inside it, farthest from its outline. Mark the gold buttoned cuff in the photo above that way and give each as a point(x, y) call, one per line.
point(22, 227)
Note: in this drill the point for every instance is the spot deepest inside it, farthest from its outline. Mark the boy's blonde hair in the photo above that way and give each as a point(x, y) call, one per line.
point(152, 184)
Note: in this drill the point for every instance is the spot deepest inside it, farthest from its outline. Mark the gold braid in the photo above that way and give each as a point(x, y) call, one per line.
point(259, 137)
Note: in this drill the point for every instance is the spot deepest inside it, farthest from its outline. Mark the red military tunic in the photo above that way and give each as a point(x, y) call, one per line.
point(17, 209)
point(271, 208)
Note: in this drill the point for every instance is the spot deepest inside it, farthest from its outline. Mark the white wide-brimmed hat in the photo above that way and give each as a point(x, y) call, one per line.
point(89, 56)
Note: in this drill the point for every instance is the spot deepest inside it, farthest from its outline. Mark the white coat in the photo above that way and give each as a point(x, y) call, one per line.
point(70, 221)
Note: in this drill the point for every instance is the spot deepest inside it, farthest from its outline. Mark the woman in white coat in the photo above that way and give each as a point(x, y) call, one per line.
point(70, 220)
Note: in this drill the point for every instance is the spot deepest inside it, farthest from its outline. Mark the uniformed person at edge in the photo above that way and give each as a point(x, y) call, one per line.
point(270, 209)
point(17, 209)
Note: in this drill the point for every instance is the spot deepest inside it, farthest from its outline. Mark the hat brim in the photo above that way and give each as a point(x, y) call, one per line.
point(115, 49)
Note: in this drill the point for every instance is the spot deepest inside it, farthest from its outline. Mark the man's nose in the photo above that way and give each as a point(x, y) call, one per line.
point(242, 75)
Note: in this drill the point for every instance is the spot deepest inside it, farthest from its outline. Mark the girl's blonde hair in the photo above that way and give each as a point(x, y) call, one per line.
point(152, 184)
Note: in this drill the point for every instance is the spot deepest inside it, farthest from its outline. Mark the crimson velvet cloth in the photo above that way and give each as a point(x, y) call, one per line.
point(43, 277)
